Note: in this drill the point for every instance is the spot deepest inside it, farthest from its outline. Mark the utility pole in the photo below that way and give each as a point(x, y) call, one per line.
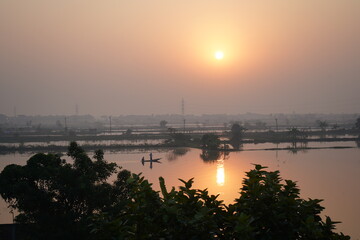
point(183, 111)
point(110, 123)
point(77, 109)
point(15, 119)
point(277, 127)
point(66, 124)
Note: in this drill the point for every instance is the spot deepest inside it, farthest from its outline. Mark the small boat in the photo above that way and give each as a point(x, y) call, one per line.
point(151, 160)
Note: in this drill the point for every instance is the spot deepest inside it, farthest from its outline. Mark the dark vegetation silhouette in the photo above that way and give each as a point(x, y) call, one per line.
point(210, 156)
point(60, 200)
point(178, 139)
point(237, 132)
point(210, 141)
point(22, 140)
point(322, 125)
point(128, 132)
point(163, 124)
point(357, 123)
point(357, 127)
point(358, 143)
point(298, 143)
point(294, 134)
point(236, 136)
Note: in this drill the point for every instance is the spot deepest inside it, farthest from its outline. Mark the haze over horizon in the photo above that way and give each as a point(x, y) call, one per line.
point(142, 57)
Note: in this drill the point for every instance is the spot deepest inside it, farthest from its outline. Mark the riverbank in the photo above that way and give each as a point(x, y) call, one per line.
point(146, 147)
point(164, 139)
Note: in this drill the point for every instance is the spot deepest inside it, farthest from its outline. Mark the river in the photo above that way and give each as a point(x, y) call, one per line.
point(329, 174)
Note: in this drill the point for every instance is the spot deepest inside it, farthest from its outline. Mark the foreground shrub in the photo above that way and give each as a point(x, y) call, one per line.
point(269, 209)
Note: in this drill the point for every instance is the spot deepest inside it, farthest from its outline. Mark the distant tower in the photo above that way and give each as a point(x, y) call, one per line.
point(183, 111)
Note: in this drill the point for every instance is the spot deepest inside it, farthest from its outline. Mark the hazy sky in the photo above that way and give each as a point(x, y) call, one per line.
point(116, 57)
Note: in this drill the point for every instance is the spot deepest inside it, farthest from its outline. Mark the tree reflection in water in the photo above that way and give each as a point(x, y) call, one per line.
point(211, 156)
point(218, 157)
point(236, 144)
point(177, 152)
point(297, 147)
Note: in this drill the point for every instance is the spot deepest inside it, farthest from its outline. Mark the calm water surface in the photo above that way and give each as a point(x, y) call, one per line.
point(330, 174)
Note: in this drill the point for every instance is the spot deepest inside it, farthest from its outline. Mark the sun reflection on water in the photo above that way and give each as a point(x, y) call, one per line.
point(220, 173)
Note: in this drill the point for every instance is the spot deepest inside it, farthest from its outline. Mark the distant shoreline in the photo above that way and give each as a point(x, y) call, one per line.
point(145, 147)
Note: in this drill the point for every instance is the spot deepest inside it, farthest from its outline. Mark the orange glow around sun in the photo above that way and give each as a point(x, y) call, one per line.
point(219, 55)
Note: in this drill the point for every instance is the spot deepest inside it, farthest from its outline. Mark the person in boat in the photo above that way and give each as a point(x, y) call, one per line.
point(150, 156)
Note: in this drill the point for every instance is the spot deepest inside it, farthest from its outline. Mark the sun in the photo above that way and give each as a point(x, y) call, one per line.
point(219, 55)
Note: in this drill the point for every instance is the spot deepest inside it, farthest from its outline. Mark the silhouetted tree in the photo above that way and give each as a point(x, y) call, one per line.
point(59, 124)
point(236, 135)
point(171, 130)
point(179, 139)
point(56, 199)
point(210, 141)
point(294, 133)
point(322, 125)
point(163, 124)
point(358, 142)
point(236, 145)
point(274, 210)
point(128, 132)
point(237, 132)
point(357, 123)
